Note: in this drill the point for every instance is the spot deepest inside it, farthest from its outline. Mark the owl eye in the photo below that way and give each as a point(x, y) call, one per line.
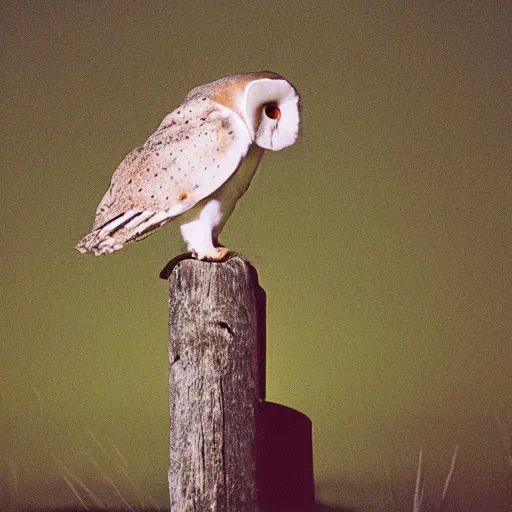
point(272, 112)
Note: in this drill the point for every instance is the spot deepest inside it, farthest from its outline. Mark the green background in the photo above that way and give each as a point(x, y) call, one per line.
point(382, 239)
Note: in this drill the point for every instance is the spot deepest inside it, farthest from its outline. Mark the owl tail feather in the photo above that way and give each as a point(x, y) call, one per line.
point(112, 236)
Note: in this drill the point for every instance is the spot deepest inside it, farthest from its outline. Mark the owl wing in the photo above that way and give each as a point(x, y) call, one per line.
point(194, 151)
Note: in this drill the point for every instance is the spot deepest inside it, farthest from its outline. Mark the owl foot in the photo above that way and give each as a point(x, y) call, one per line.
point(214, 254)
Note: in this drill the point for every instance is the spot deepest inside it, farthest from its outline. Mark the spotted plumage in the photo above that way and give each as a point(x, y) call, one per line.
point(197, 164)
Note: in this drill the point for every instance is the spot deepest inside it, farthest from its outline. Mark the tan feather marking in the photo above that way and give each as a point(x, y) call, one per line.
point(226, 96)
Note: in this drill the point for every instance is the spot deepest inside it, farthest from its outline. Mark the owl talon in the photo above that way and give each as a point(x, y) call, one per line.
point(216, 254)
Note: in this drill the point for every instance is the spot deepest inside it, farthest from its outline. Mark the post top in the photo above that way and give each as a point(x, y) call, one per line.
point(166, 272)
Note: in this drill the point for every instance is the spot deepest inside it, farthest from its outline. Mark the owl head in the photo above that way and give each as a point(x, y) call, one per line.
point(268, 104)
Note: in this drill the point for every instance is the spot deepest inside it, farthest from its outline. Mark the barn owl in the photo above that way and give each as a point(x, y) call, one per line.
point(197, 164)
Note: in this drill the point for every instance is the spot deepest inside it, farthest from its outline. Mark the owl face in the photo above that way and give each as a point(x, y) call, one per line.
point(272, 113)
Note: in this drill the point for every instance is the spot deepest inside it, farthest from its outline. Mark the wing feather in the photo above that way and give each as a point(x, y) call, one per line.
point(194, 151)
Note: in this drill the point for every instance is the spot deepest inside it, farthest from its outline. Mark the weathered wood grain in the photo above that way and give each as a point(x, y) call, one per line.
point(216, 352)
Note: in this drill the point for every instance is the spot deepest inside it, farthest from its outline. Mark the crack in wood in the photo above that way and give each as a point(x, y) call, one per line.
point(226, 326)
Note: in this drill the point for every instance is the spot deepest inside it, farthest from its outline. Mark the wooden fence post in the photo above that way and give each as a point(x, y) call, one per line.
point(215, 385)
point(230, 451)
